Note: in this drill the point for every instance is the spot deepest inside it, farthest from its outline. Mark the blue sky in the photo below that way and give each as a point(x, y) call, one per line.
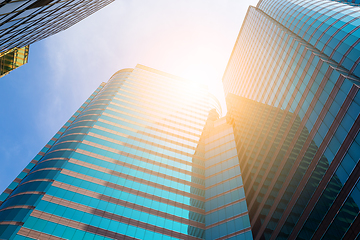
point(189, 38)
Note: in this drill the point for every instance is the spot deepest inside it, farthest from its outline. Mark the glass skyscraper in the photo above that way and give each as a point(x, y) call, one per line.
point(12, 59)
point(147, 156)
point(23, 22)
point(226, 215)
point(292, 86)
point(134, 162)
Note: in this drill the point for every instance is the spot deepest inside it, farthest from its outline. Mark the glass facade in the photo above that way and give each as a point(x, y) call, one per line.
point(12, 59)
point(292, 86)
point(23, 22)
point(225, 205)
point(331, 27)
point(147, 157)
point(351, 2)
point(133, 163)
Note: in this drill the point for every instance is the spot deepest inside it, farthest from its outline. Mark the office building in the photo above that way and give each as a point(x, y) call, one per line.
point(134, 162)
point(292, 86)
point(12, 59)
point(26, 21)
point(146, 156)
point(226, 215)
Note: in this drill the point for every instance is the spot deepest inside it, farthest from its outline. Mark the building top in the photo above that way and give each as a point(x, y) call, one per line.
point(190, 85)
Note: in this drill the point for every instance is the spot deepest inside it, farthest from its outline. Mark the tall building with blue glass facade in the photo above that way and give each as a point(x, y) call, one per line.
point(292, 86)
point(143, 158)
point(226, 215)
point(147, 157)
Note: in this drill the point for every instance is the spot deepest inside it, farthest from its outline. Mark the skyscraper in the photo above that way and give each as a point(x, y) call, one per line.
point(25, 22)
point(12, 59)
point(226, 215)
point(295, 71)
point(133, 163)
point(147, 157)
